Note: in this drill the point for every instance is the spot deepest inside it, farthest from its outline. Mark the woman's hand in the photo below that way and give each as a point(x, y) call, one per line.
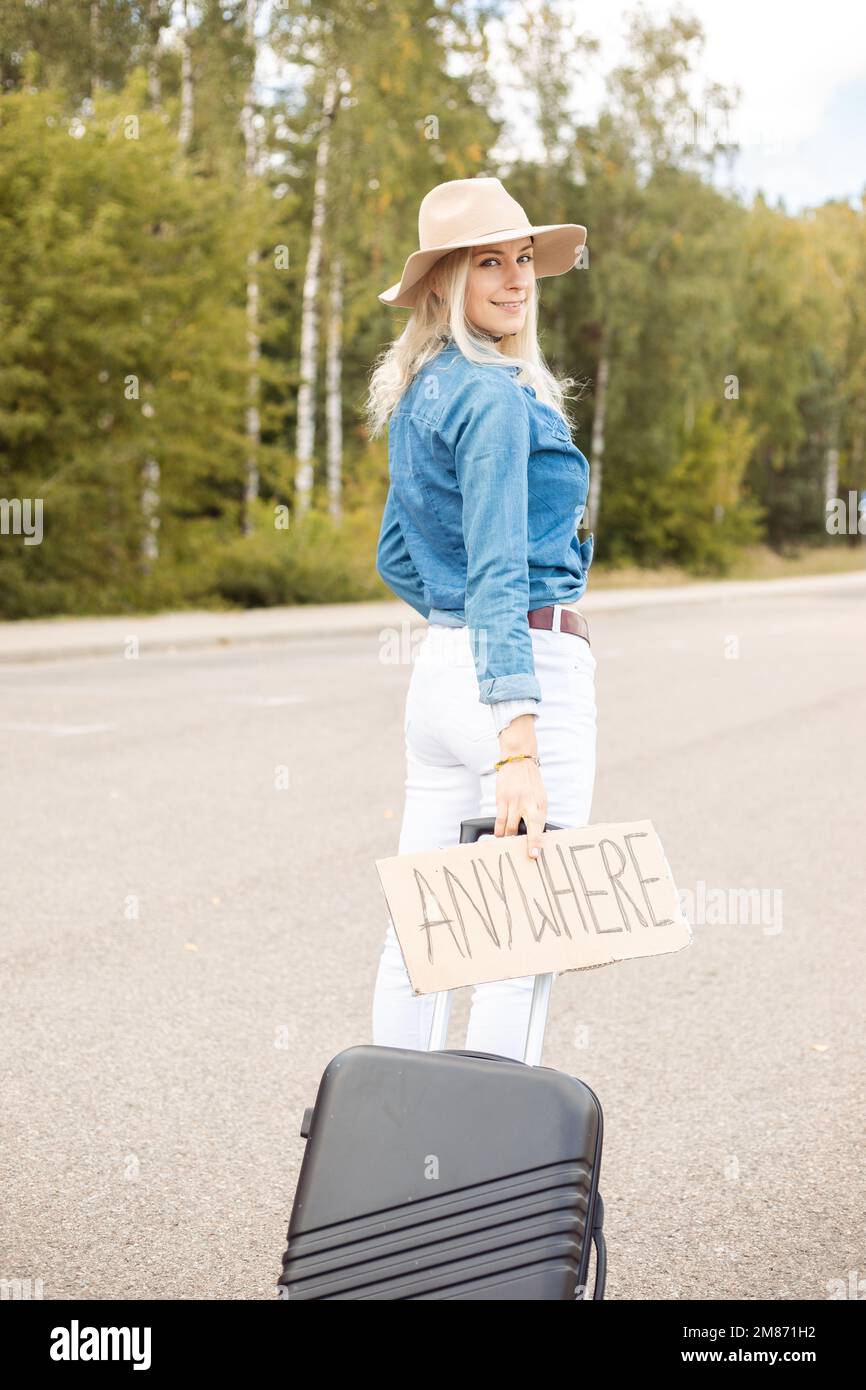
point(520, 793)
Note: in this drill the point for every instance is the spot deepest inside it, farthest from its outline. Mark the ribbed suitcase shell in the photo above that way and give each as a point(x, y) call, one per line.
point(447, 1174)
point(509, 1215)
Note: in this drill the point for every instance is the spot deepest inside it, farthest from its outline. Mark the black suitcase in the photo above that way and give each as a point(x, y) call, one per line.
point(448, 1174)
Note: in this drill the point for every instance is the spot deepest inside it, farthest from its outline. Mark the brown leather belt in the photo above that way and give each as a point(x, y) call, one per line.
point(568, 619)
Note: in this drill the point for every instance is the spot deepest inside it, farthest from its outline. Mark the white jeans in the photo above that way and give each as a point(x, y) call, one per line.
point(451, 746)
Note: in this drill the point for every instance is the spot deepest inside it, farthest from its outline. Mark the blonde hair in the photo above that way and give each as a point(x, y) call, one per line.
point(433, 315)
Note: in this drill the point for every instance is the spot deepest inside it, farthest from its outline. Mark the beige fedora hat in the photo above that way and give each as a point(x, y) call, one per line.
point(479, 212)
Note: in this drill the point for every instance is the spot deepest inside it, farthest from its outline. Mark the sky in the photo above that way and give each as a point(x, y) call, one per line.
point(801, 69)
point(800, 65)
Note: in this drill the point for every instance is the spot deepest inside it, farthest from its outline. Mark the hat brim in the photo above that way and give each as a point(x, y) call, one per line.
point(556, 250)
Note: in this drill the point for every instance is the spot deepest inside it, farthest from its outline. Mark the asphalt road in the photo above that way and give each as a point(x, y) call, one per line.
point(186, 944)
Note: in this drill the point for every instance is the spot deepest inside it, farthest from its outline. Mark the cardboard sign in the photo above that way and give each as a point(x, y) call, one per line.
point(486, 911)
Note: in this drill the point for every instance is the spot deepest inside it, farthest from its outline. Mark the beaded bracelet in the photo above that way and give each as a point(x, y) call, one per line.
point(516, 758)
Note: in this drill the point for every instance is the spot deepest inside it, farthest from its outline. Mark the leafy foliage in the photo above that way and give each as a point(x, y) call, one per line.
point(734, 336)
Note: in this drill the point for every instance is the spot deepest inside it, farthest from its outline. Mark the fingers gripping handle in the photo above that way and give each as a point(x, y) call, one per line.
point(470, 831)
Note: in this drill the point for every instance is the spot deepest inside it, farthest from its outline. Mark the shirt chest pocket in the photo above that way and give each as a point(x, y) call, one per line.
point(556, 460)
point(559, 429)
point(552, 438)
point(549, 424)
point(558, 479)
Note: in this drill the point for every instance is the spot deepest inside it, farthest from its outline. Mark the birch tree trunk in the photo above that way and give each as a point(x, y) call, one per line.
point(831, 465)
point(149, 548)
point(333, 387)
point(596, 461)
point(306, 428)
point(154, 17)
point(151, 472)
point(253, 420)
point(94, 48)
point(187, 90)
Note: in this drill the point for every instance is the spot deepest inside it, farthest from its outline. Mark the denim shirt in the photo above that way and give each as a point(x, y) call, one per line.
point(480, 523)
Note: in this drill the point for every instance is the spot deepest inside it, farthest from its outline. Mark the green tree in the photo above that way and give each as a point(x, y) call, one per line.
point(121, 342)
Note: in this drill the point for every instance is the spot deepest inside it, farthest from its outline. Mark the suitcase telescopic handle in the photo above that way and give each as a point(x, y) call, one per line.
point(470, 831)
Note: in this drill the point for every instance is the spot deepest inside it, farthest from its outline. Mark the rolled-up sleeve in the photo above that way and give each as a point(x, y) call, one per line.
point(394, 563)
point(489, 426)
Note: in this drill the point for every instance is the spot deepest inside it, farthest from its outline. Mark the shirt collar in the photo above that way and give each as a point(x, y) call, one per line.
point(449, 345)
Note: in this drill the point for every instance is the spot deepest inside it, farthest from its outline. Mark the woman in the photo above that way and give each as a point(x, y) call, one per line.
point(479, 536)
